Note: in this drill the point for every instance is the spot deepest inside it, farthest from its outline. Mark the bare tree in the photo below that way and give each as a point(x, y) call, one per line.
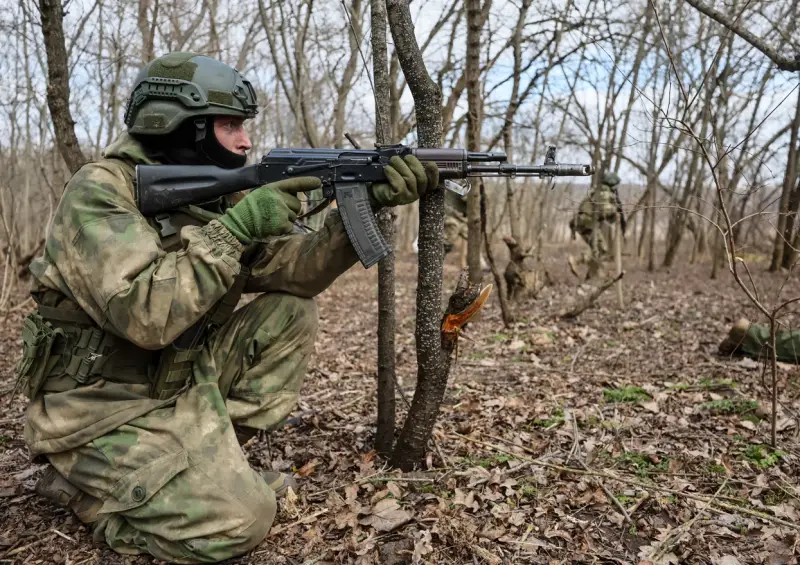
point(52, 14)
point(384, 435)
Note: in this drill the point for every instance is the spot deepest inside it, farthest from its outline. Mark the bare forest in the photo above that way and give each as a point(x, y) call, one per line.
point(581, 417)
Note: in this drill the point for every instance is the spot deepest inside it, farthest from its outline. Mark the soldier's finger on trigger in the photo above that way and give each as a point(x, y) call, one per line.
point(402, 168)
point(415, 165)
point(293, 203)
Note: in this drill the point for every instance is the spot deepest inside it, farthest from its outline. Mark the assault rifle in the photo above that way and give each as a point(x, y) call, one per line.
point(345, 174)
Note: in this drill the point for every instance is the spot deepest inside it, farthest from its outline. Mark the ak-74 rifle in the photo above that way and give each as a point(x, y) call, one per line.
point(345, 176)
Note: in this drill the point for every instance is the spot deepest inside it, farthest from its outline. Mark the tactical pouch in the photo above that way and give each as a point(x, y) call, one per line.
point(39, 339)
point(174, 371)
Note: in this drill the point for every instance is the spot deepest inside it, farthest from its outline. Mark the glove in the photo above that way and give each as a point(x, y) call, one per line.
point(267, 210)
point(407, 180)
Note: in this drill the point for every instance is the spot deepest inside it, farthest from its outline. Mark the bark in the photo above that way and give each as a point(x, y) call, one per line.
point(384, 435)
point(433, 363)
point(511, 110)
point(52, 14)
point(472, 73)
point(781, 252)
point(346, 85)
point(147, 29)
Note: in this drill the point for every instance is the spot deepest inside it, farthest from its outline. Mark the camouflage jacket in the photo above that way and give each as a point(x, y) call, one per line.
point(104, 257)
point(599, 206)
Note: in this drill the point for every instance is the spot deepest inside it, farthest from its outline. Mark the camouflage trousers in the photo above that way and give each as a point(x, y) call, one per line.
point(598, 241)
point(787, 344)
point(175, 483)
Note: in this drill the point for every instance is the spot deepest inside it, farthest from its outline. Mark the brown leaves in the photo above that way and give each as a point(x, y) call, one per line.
point(385, 516)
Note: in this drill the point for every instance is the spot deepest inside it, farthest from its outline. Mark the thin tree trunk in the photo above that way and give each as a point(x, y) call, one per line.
point(474, 25)
point(52, 14)
point(433, 361)
point(779, 255)
point(384, 435)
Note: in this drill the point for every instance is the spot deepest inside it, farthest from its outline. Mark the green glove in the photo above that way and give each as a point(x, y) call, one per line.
point(267, 210)
point(407, 180)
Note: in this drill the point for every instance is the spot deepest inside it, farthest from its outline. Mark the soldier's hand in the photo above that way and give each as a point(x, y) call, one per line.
point(407, 180)
point(268, 210)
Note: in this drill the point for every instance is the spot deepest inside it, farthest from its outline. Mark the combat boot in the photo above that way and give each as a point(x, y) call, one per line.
point(736, 335)
point(279, 482)
point(54, 487)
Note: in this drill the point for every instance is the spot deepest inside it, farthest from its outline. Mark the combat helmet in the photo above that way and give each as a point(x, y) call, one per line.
point(611, 179)
point(178, 86)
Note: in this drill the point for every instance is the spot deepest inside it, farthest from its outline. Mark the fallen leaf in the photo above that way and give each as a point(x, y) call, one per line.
point(307, 469)
point(386, 515)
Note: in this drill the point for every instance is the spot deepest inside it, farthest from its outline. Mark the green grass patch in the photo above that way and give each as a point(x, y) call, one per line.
point(625, 394)
point(762, 456)
point(715, 469)
point(641, 463)
point(556, 419)
point(487, 462)
point(477, 355)
point(500, 336)
point(730, 406)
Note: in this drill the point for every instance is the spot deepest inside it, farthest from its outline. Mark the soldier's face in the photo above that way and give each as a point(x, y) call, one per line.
point(231, 134)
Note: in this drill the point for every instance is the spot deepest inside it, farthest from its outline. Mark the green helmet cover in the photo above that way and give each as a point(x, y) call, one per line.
point(611, 179)
point(178, 86)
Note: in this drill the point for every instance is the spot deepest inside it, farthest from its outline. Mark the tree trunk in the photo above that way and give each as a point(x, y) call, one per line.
point(384, 435)
point(781, 251)
point(472, 72)
point(433, 362)
point(52, 14)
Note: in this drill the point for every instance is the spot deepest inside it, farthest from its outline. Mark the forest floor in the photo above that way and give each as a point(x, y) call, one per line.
point(618, 437)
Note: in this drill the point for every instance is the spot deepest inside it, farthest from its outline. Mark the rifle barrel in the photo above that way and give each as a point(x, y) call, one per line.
point(509, 170)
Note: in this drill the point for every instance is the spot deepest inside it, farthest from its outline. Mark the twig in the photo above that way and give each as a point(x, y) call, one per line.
point(635, 507)
point(359, 481)
point(304, 520)
point(588, 472)
point(584, 305)
point(24, 547)
point(65, 536)
point(674, 537)
point(575, 439)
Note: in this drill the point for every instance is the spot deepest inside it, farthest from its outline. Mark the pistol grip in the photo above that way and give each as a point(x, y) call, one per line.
point(359, 220)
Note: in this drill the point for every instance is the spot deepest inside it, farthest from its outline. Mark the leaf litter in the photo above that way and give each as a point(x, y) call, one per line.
point(618, 437)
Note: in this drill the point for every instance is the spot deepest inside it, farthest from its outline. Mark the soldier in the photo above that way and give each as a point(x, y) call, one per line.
point(596, 215)
point(455, 224)
point(750, 340)
point(143, 379)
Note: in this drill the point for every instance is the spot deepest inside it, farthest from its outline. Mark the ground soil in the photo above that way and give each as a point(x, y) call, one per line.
point(617, 437)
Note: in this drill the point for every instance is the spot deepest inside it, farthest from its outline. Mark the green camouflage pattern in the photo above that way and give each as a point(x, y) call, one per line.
point(455, 228)
point(110, 437)
point(178, 86)
point(595, 214)
point(787, 344)
point(174, 482)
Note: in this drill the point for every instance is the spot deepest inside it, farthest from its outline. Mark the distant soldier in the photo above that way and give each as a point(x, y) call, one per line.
point(750, 340)
point(455, 223)
point(594, 221)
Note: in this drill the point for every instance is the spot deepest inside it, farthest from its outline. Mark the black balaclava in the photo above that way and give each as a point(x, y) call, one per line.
point(192, 143)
